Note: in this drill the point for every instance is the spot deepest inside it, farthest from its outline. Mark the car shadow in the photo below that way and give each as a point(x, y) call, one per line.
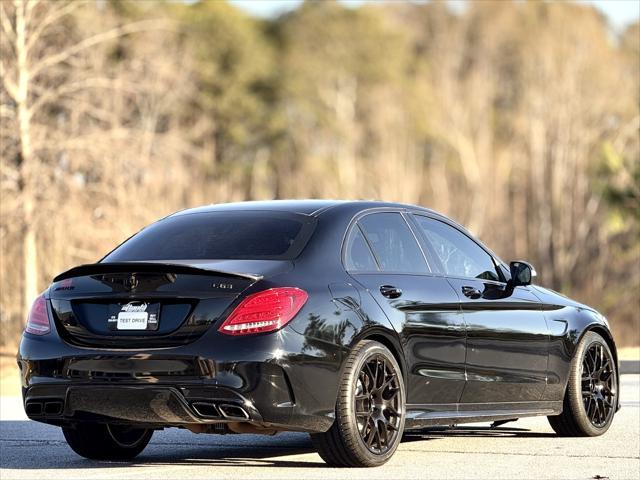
point(435, 433)
point(232, 450)
point(16, 439)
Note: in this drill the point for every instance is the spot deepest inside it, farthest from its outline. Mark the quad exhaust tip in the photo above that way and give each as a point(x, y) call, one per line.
point(222, 410)
point(46, 407)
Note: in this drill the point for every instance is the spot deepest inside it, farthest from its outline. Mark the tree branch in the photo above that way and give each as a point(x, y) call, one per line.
point(7, 28)
point(51, 17)
point(10, 86)
point(51, 95)
point(144, 25)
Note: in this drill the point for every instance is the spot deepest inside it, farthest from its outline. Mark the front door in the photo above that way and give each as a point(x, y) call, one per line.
point(507, 334)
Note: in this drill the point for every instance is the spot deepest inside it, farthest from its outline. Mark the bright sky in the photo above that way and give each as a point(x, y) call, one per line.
point(620, 12)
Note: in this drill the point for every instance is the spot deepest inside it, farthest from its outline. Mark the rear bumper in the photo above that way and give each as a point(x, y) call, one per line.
point(270, 381)
point(161, 405)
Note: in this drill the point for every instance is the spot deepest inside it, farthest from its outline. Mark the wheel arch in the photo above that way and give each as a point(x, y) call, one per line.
point(389, 340)
point(605, 333)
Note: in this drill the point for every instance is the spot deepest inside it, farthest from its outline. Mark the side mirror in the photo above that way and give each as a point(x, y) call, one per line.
point(522, 273)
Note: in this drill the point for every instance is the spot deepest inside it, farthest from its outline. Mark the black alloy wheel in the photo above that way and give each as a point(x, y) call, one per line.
point(598, 384)
point(370, 410)
point(377, 404)
point(591, 397)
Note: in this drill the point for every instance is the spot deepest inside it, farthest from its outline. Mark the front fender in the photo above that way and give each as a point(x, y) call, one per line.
point(567, 326)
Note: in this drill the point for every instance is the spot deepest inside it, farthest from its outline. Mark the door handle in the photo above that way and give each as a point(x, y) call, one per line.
point(471, 292)
point(390, 291)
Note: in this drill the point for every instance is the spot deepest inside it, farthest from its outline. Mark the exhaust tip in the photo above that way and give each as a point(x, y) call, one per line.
point(205, 409)
point(53, 407)
point(233, 411)
point(33, 408)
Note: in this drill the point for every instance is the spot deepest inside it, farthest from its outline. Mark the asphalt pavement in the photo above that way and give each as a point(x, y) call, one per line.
point(526, 449)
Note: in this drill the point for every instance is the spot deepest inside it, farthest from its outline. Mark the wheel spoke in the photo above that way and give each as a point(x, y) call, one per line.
point(600, 410)
point(594, 366)
point(587, 406)
point(600, 357)
point(383, 432)
point(376, 370)
point(367, 424)
point(393, 392)
point(372, 434)
point(370, 375)
point(393, 412)
point(380, 373)
point(387, 382)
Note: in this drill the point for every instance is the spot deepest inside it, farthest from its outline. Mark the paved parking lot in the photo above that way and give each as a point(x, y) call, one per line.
point(526, 449)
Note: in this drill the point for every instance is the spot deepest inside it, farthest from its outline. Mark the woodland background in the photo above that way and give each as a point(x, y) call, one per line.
point(520, 119)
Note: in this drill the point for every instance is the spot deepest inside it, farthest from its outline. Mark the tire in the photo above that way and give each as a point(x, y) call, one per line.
point(367, 399)
point(98, 441)
point(591, 395)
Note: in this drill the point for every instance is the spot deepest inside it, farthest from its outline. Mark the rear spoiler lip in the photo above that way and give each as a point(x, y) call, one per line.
point(146, 266)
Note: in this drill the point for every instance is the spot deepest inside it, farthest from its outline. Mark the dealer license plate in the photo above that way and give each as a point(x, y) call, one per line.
point(132, 320)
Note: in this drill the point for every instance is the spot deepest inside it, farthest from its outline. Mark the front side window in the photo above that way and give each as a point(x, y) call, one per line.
point(218, 235)
point(460, 256)
point(392, 243)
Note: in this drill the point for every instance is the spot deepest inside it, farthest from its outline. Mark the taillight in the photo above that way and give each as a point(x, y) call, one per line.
point(38, 321)
point(264, 311)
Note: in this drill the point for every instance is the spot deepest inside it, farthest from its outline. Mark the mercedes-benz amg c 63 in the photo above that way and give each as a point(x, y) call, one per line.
point(352, 321)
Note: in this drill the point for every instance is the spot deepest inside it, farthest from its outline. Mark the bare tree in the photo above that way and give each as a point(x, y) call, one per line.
point(570, 106)
point(42, 54)
point(519, 119)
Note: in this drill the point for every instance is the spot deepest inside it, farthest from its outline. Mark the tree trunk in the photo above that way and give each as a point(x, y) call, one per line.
point(29, 250)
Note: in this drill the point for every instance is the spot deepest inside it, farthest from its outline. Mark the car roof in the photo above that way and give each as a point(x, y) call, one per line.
point(305, 207)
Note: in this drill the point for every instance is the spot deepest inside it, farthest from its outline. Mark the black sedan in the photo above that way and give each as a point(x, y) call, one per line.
point(353, 321)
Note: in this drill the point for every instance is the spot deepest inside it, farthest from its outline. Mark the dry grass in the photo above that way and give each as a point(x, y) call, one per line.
point(9, 374)
point(629, 353)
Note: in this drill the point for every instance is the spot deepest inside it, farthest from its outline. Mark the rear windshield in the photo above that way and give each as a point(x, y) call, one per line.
point(219, 235)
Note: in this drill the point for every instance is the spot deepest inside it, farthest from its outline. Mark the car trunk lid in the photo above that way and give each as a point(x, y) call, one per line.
point(149, 304)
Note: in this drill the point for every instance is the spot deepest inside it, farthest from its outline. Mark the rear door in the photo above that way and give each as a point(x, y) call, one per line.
point(383, 254)
point(507, 335)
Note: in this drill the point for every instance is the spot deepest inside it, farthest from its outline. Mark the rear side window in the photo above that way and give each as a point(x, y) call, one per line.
point(358, 255)
point(460, 255)
point(392, 243)
point(219, 235)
